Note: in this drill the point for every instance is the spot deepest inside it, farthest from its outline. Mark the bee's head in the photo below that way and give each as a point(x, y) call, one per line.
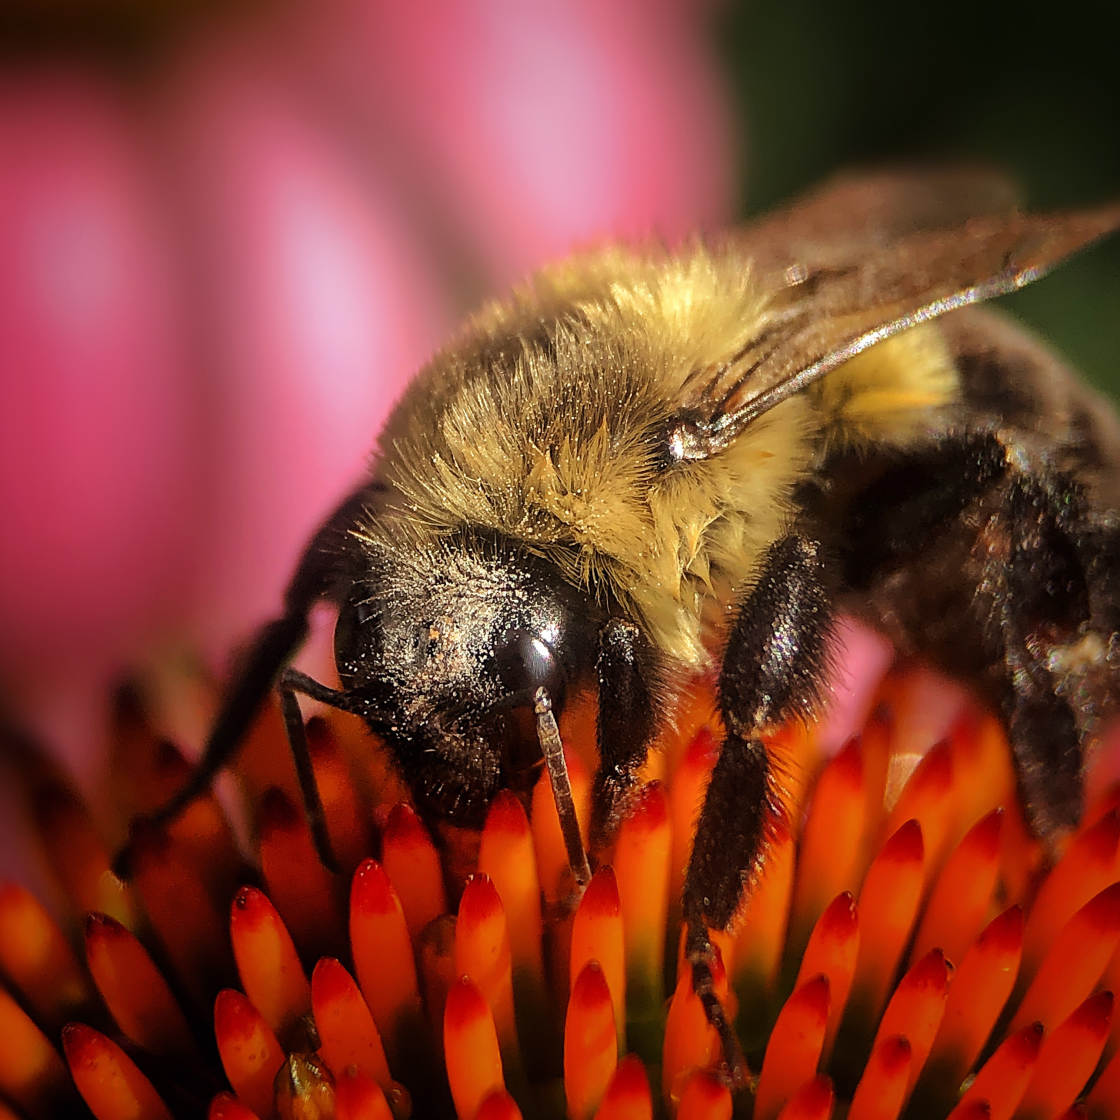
point(444, 648)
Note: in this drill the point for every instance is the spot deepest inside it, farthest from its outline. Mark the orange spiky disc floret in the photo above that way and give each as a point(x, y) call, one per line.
point(906, 951)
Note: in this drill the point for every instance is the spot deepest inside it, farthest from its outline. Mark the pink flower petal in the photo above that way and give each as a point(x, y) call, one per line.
point(316, 309)
point(92, 433)
point(861, 658)
point(538, 127)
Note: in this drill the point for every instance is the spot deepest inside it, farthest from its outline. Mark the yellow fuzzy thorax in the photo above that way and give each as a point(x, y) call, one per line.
point(545, 422)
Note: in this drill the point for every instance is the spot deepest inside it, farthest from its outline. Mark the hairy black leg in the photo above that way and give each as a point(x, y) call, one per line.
point(977, 554)
point(773, 669)
point(626, 723)
point(1043, 609)
point(315, 577)
point(740, 795)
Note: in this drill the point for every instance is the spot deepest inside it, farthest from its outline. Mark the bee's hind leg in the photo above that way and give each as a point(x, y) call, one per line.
point(1000, 569)
point(1056, 616)
point(773, 670)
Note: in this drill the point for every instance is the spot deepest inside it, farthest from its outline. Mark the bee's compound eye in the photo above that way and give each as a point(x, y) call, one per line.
point(527, 662)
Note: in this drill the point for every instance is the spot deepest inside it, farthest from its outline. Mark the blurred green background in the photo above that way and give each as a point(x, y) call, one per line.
point(1031, 88)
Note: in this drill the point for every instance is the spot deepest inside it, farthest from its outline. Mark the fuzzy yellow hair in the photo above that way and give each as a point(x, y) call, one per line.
point(545, 422)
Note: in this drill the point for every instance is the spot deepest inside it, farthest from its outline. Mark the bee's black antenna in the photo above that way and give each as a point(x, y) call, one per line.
point(553, 750)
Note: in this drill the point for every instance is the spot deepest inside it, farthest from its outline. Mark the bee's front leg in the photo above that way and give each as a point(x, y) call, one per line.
point(627, 722)
point(773, 669)
point(292, 682)
point(318, 571)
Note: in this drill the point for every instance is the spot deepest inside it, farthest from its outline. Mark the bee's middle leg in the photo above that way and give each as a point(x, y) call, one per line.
point(773, 669)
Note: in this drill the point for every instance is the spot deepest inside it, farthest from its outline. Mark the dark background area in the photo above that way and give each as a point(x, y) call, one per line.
point(1032, 89)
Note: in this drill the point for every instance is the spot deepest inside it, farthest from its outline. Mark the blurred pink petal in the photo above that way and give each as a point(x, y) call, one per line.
point(96, 416)
point(537, 127)
point(314, 309)
point(924, 703)
point(861, 658)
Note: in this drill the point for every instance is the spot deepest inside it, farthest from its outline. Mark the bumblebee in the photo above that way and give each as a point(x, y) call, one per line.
point(649, 464)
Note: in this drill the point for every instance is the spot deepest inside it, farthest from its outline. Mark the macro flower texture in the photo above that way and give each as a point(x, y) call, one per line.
point(909, 950)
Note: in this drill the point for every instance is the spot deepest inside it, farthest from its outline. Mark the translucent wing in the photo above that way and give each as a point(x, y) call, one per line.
point(840, 292)
point(856, 209)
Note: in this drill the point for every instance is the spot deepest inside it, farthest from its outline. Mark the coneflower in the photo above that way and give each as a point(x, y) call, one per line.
point(909, 951)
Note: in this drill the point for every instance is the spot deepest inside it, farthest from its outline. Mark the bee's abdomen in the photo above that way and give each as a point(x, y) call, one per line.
point(1014, 383)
